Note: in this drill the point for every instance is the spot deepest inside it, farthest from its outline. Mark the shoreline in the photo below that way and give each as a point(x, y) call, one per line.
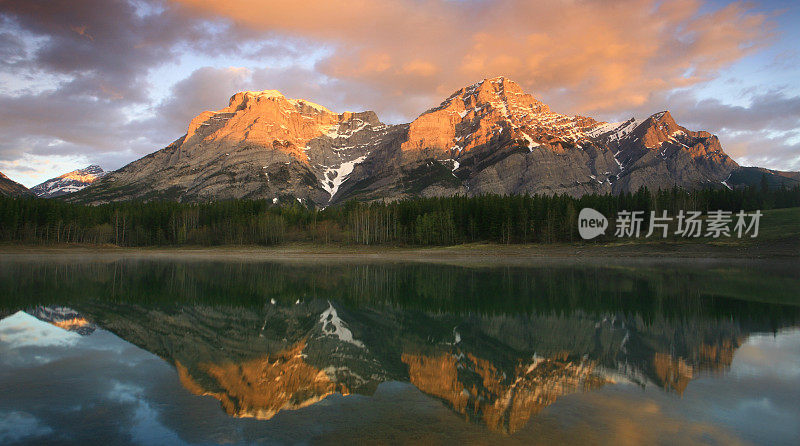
point(469, 254)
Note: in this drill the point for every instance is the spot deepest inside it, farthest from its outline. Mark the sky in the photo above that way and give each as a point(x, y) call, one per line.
point(108, 81)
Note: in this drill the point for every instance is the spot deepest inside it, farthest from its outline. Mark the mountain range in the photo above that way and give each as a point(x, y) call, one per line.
point(489, 137)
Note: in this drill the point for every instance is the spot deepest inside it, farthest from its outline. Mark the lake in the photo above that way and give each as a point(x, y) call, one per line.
point(182, 352)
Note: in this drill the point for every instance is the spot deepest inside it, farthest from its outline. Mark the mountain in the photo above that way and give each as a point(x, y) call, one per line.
point(69, 182)
point(490, 137)
point(10, 188)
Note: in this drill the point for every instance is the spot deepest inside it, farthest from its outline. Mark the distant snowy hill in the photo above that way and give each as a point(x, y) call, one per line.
point(69, 182)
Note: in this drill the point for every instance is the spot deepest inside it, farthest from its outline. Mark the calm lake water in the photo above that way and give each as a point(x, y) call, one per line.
point(144, 352)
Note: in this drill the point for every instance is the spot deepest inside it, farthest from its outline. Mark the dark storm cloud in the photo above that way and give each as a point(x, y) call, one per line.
point(98, 54)
point(90, 61)
point(105, 44)
point(110, 45)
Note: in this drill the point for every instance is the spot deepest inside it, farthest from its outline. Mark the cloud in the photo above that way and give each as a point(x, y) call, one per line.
point(770, 111)
point(11, 49)
point(30, 169)
point(606, 55)
point(781, 152)
point(763, 132)
point(78, 79)
point(105, 45)
point(622, 416)
point(207, 88)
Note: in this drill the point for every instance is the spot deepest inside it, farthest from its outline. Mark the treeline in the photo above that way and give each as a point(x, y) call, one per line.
point(420, 221)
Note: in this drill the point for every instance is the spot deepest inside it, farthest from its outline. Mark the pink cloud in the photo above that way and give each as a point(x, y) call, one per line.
point(608, 55)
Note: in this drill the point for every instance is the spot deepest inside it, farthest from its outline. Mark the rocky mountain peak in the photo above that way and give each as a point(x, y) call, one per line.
point(87, 175)
point(664, 149)
point(491, 90)
point(658, 128)
point(664, 118)
point(368, 117)
point(498, 92)
point(268, 118)
point(249, 99)
point(264, 118)
point(661, 128)
point(256, 94)
point(495, 109)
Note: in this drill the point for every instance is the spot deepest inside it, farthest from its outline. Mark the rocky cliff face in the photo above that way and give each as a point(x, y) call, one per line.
point(69, 182)
point(10, 188)
point(490, 137)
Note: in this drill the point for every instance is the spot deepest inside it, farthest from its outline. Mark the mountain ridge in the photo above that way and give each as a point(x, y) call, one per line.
point(489, 137)
point(10, 188)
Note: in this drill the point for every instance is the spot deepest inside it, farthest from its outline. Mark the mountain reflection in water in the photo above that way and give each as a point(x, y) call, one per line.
point(496, 345)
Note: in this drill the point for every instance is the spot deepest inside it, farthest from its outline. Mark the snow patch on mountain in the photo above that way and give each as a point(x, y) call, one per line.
point(335, 176)
point(333, 325)
point(531, 142)
point(614, 130)
point(264, 93)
